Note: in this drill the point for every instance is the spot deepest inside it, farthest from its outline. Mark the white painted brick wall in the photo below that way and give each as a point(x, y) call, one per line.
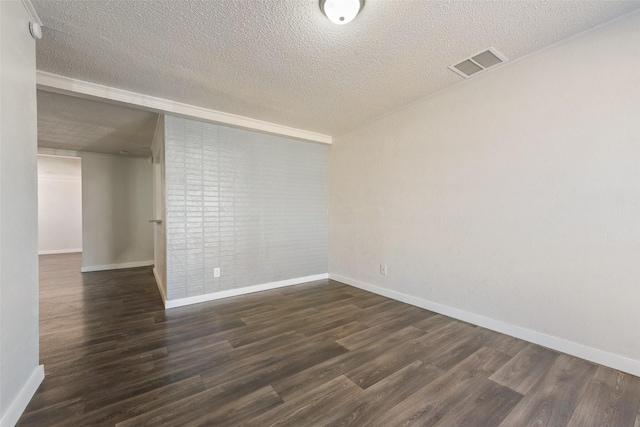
point(254, 205)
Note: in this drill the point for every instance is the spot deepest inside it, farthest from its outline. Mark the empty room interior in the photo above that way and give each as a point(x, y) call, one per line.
point(320, 213)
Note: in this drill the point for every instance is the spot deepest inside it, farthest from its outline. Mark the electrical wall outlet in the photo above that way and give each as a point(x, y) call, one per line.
point(216, 272)
point(383, 269)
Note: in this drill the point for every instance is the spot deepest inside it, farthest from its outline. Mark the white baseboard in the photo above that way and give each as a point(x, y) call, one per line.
point(591, 354)
point(116, 266)
point(60, 251)
point(17, 407)
point(156, 275)
point(172, 303)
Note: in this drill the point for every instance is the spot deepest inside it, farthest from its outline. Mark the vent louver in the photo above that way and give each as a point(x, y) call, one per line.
point(477, 63)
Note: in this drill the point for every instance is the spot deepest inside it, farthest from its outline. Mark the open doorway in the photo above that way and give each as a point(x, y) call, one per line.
point(59, 205)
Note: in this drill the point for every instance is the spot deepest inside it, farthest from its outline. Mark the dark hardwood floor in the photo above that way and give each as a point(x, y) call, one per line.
point(318, 354)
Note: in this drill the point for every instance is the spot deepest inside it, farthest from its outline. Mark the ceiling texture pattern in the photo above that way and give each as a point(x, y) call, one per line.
point(283, 61)
point(69, 123)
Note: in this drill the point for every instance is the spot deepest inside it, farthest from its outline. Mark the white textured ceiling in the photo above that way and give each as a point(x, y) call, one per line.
point(283, 61)
point(70, 123)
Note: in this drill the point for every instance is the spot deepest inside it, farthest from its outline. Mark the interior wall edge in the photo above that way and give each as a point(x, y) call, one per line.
point(60, 251)
point(158, 280)
point(20, 403)
point(31, 10)
point(55, 152)
point(611, 360)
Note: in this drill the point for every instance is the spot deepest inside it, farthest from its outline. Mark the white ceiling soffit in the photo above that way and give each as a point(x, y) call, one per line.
point(68, 86)
point(67, 167)
point(77, 124)
point(283, 61)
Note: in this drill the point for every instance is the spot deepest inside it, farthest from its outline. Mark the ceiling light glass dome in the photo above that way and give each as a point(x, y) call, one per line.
point(341, 11)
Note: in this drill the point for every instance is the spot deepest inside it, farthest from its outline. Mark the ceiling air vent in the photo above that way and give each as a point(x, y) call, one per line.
point(478, 62)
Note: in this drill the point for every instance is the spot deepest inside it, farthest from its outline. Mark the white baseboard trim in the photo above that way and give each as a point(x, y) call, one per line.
point(591, 354)
point(156, 275)
point(17, 407)
point(60, 251)
point(173, 303)
point(116, 266)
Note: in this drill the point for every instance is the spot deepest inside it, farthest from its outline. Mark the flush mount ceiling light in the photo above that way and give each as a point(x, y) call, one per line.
point(341, 11)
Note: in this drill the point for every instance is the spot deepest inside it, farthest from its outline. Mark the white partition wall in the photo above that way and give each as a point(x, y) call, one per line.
point(117, 204)
point(245, 210)
point(159, 205)
point(20, 373)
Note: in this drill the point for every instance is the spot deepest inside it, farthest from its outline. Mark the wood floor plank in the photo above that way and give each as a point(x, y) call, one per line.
point(238, 411)
point(611, 400)
point(396, 358)
point(338, 332)
point(281, 314)
point(373, 316)
point(503, 343)
point(101, 390)
point(160, 374)
point(381, 397)
point(295, 351)
point(390, 325)
point(209, 408)
point(488, 409)
point(268, 370)
point(372, 334)
point(261, 330)
point(309, 408)
point(104, 363)
point(140, 404)
point(431, 403)
point(55, 414)
point(329, 319)
point(433, 322)
point(310, 378)
point(454, 351)
point(523, 371)
point(552, 401)
point(65, 354)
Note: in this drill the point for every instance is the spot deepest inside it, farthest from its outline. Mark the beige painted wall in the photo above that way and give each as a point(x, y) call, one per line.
point(59, 205)
point(20, 374)
point(514, 196)
point(117, 204)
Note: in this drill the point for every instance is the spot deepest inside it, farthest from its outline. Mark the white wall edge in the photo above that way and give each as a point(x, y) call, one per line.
point(173, 303)
point(60, 251)
point(55, 152)
point(17, 407)
point(59, 178)
point(68, 86)
point(156, 275)
point(591, 354)
point(31, 10)
point(90, 268)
